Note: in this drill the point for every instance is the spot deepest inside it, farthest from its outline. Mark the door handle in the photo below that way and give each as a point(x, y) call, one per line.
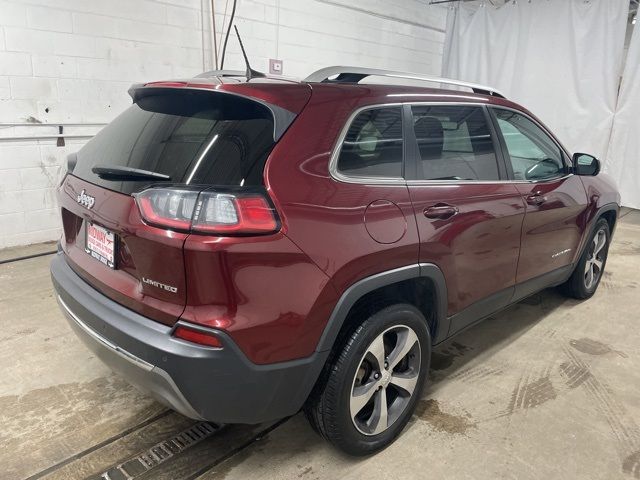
point(536, 199)
point(441, 212)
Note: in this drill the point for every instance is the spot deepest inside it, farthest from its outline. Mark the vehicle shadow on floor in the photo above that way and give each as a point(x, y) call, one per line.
point(294, 438)
point(491, 334)
point(300, 443)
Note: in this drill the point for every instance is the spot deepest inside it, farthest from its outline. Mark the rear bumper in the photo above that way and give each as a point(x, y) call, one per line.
point(219, 385)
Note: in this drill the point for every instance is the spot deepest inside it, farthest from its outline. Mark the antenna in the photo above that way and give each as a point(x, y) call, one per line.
point(251, 73)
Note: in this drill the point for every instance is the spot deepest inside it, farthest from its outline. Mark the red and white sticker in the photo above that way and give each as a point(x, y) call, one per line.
point(101, 244)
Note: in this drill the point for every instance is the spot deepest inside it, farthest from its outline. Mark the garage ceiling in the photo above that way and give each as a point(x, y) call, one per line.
point(497, 3)
point(633, 10)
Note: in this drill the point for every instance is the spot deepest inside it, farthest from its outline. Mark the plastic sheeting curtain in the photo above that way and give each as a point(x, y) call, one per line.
point(623, 160)
point(559, 58)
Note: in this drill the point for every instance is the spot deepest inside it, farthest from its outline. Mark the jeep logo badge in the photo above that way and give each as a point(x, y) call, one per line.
point(85, 200)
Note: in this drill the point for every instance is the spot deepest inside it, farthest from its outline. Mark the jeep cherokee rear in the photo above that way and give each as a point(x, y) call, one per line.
point(244, 249)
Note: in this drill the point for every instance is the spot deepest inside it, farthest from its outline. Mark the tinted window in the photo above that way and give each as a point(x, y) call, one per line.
point(373, 145)
point(533, 154)
point(194, 137)
point(454, 143)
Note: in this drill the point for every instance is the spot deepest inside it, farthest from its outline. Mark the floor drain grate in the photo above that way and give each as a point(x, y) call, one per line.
point(160, 453)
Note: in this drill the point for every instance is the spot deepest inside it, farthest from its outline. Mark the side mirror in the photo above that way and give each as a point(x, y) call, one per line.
point(584, 164)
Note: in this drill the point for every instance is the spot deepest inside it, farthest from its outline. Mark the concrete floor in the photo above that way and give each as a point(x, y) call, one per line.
point(549, 388)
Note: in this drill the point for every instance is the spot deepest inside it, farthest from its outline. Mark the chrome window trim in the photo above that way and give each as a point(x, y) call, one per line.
point(457, 182)
point(481, 182)
point(566, 154)
point(542, 127)
point(336, 175)
point(333, 162)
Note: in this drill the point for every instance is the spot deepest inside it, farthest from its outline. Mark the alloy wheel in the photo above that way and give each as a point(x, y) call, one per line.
point(595, 259)
point(385, 380)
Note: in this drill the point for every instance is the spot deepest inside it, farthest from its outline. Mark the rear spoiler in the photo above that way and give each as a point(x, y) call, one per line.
point(282, 118)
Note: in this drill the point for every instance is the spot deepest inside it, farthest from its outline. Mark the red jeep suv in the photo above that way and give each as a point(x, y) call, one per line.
point(243, 249)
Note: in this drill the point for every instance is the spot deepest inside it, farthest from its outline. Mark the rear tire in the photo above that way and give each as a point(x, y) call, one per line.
point(370, 388)
point(586, 277)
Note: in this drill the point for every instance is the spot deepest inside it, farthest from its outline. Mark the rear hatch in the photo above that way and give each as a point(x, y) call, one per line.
point(176, 143)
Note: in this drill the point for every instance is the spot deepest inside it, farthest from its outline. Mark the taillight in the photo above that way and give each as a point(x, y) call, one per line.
point(212, 212)
point(166, 207)
point(200, 337)
point(224, 213)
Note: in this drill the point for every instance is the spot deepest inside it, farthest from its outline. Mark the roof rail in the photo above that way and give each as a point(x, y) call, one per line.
point(222, 73)
point(355, 74)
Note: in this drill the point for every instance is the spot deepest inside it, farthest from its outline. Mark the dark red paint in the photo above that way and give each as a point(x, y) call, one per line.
point(274, 294)
point(477, 249)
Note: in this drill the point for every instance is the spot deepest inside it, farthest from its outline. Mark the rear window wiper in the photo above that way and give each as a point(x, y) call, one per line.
point(128, 173)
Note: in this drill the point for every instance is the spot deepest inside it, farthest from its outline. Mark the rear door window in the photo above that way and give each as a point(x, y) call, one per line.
point(373, 145)
point(454, 143)
point(194, 137)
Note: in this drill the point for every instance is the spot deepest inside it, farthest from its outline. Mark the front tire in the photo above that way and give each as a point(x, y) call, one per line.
point(373, 384)
point(586, 277)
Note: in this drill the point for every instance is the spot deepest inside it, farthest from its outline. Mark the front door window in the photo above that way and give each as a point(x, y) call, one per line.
point(533, 154)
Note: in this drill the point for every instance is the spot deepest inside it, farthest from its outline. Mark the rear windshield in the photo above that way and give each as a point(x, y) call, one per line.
point(196, 138)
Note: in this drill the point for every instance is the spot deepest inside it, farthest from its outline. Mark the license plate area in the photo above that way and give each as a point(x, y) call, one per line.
point(100, 243)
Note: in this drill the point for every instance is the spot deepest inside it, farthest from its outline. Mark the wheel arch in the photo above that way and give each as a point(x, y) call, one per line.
point(609, 212)
point(422, 285)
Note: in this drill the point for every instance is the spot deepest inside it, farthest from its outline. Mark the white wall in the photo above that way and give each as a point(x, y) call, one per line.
point(73, 61)
point(308, 34)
